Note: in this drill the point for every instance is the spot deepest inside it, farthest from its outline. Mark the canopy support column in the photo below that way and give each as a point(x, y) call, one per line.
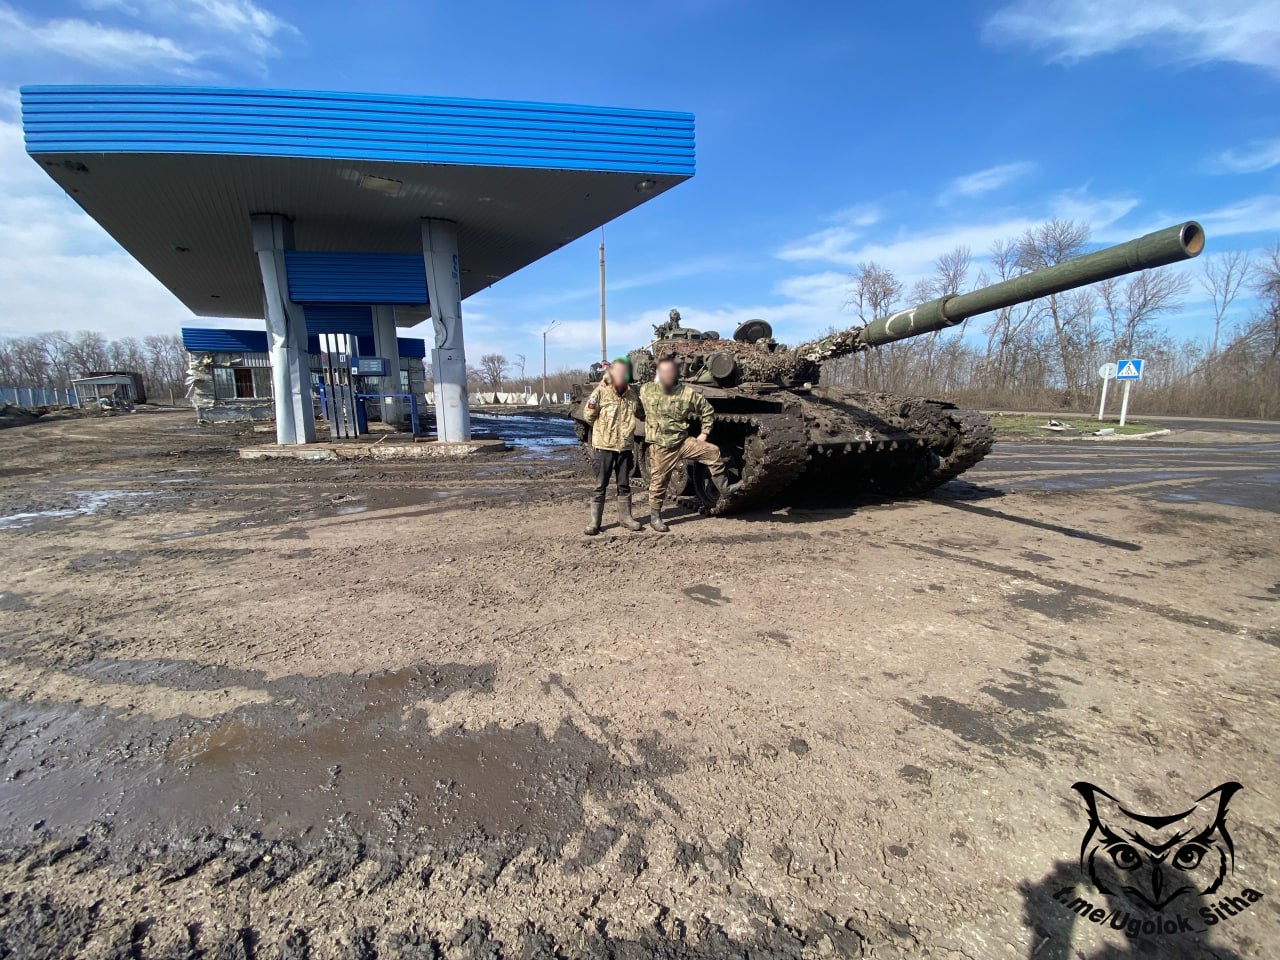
point(448, 360)
point(286, 332)
point(386, 345)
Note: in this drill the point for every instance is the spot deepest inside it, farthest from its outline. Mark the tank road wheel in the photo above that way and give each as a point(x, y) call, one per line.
point(681, 484)
point(678, 484)
point(735, 447)
point(765, 453)
point(583, 433)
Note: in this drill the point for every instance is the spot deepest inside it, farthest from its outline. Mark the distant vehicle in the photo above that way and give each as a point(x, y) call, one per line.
point(781, 431)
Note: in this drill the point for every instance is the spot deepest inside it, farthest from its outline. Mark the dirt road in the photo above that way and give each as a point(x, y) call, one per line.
point(376, 710)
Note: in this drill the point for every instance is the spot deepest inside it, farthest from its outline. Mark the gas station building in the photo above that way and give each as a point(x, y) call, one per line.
point(346, 214)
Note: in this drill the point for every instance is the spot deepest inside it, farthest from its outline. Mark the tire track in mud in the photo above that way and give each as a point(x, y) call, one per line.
point(249, 807)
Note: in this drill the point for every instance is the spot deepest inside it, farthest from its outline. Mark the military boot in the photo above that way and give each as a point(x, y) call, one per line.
point(597, 517)
point(655, 520)
point(723, 486)
point(624, 514)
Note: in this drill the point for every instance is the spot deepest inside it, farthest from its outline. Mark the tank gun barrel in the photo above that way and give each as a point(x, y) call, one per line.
point(1180, 242)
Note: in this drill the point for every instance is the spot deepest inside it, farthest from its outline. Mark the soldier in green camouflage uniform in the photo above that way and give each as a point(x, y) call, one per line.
point(669, 407)
point(611, 411)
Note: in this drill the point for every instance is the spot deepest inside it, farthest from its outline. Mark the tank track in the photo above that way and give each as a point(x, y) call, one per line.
point(969, 437)
point(775, 455)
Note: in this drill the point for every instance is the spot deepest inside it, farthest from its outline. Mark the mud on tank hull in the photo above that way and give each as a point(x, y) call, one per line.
point(788, 445)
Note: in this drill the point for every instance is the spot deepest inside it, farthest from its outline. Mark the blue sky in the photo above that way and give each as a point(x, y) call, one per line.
point(829, 134)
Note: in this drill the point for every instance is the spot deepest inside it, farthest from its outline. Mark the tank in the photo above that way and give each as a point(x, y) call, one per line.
point(782, 433)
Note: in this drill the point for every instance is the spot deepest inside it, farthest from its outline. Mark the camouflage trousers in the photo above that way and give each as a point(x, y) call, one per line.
point(662, 460)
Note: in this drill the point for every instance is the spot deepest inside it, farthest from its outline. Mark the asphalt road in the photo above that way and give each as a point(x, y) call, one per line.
point(1211, 424)
point(1271, 427)
point(1242, 475)
point(1168, 470)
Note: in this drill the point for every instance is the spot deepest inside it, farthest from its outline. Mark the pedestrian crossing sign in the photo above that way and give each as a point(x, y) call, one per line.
point(1130, 369)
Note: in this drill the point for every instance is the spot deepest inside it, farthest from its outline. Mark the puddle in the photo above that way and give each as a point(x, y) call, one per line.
point(87, 504)
point(309, 759)
point(534, 431)
point(18, 520)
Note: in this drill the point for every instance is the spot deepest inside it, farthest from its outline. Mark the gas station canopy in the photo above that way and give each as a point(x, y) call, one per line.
point(174, 173)
point(320, 212)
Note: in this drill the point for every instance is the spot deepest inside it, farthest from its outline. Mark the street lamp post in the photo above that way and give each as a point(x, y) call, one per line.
point(604, 351)
point(544, 355)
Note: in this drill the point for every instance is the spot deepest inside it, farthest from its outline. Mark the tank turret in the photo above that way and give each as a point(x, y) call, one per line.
point(776, 425)
point(754, 356)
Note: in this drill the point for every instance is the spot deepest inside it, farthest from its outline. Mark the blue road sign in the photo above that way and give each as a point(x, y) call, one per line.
point(1130, 369)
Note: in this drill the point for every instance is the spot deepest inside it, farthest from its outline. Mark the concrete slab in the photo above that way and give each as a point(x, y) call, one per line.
point(376, 450)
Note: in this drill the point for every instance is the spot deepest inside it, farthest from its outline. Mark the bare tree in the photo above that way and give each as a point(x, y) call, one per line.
point(88, 350)
point(874, 292)
point(1008, 332)
point(1132, 303)
point(950, 272)
point(519, 363)
point(1223, 276)
point(1049, 244)
point(493, 368)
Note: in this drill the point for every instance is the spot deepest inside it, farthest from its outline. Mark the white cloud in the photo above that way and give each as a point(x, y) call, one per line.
point(255, 27)
point(95, 44)
point(985, 181)
point(827, 244)
point(590, 292)
point(911, 255)
point(59, 270)
point(1254, 157)
point(179, 37)
point(1259, 214)
point(859, 215)
point(1187, 31)
point(120, 5)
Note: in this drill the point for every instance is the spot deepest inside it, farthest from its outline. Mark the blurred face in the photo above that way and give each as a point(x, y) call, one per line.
point(618, 374)
point(667, 373)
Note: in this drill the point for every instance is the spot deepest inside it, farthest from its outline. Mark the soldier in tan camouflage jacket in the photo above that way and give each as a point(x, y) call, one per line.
point(669, 408)
point(611, 411)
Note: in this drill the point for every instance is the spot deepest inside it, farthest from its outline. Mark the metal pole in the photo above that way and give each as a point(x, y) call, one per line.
point(550, 326)
point(604, 350)
point(1102, 407)
point(1124, 403)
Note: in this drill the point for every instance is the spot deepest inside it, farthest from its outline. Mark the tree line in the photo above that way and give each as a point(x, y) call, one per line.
point(1045, 354)
point(495, 373)
point(54, 359)
point(1039, 355)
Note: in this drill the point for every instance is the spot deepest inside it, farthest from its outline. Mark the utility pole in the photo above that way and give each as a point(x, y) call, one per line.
point(544, 355)
point(604, 349)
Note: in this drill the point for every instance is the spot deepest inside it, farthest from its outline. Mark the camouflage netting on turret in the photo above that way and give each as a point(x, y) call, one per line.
point(756, 363)
point(839, 344)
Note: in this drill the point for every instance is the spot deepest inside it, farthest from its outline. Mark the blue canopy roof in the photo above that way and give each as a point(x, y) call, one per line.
point(174, 174)
point(356, 126)
point(217, 340)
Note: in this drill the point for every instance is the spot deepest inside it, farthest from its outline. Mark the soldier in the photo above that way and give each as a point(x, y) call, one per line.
point(669, 406)
point(611, 411)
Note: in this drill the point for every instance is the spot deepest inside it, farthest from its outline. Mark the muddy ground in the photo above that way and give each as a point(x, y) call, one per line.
point(301, 710)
